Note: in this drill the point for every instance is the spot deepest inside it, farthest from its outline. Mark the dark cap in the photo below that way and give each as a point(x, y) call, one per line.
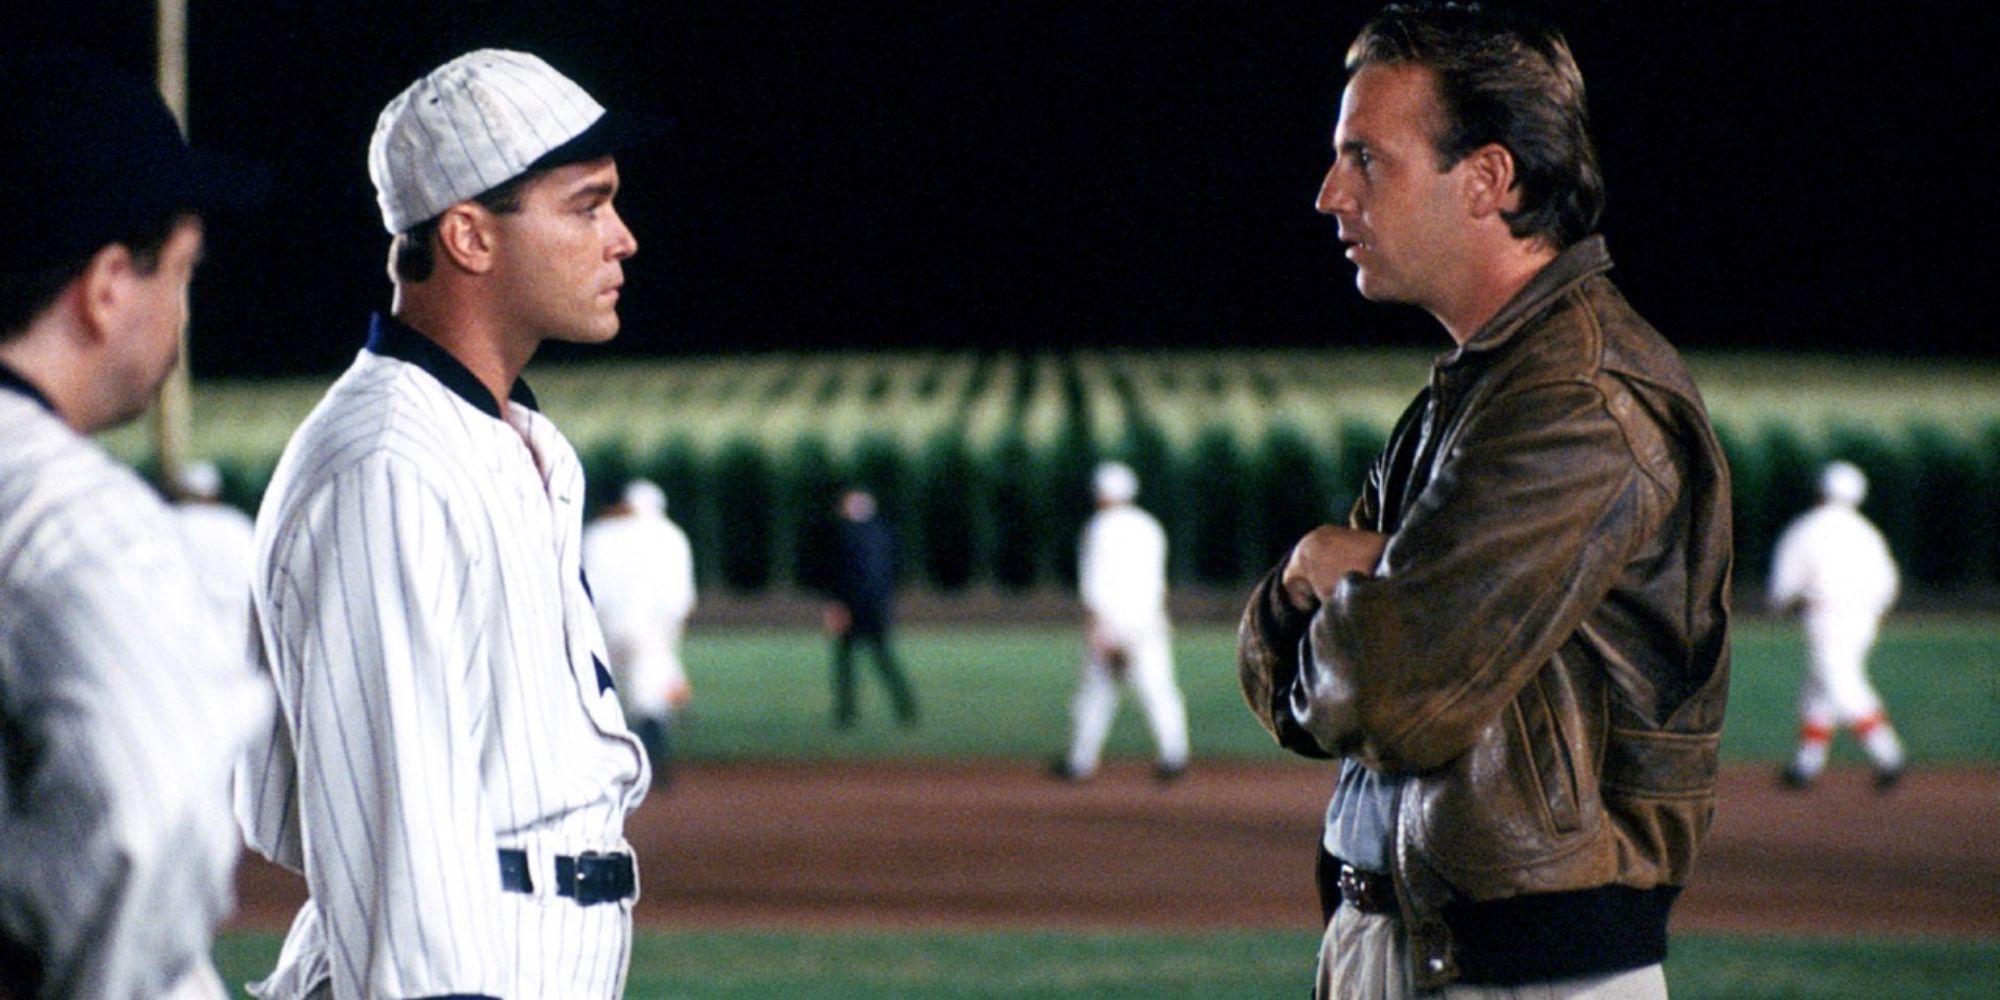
point(93, 156)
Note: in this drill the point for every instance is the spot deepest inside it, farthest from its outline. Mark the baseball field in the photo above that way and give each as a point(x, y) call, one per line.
point(790, 859)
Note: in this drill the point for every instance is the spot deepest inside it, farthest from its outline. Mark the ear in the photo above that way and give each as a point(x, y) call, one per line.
point(1489, 181)
point(104, 292)
point(465, 235)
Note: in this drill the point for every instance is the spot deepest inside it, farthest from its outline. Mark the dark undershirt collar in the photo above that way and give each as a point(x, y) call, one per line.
point(392, 338)
point(11, 379)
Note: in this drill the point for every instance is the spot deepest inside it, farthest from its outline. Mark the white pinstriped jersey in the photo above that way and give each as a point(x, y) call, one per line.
point(443, 693)
point(123, 712)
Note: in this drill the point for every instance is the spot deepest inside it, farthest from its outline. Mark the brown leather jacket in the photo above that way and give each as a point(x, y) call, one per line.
point(1544, 646)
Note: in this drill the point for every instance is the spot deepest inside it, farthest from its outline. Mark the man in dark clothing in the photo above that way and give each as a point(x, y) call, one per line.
point(864, 585)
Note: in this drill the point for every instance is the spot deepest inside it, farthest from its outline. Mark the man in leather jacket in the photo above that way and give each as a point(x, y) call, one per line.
point(1518, 646)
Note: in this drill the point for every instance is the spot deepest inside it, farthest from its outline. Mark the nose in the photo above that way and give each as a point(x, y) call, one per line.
point(622, 243)
point(1333, 197)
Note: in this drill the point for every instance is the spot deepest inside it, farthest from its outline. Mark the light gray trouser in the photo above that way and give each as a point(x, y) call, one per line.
point(1363, 957)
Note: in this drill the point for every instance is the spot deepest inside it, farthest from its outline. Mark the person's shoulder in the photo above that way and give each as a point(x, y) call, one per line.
point(63, 499)
point(219, 517)
point(382, 417)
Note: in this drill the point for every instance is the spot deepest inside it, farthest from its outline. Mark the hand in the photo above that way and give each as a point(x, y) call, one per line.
point(838, 620)
point(679, 694)
point(1325, 555)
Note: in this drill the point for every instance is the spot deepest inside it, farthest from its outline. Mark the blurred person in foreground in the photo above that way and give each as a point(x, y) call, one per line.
point(641, 572)
point(451, 769)
point(864, 592)
point(1122, 578)
point(122, 705)
point(1832, 566)
point(223, 542)
point(1518, 646)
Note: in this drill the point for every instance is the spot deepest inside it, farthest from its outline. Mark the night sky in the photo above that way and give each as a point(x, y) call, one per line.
point(1041, 174)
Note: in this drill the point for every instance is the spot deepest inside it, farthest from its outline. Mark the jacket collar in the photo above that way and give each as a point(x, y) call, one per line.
point(11, 379)
point(392, 338)
point(1583, 259)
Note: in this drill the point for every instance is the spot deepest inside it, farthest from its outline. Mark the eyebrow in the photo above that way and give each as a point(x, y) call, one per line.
point(601, 191)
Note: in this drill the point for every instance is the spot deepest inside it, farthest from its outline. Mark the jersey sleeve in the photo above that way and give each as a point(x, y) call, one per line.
point(377, 623)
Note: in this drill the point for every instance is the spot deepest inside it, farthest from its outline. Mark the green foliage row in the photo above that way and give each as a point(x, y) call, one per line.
point(984, 461)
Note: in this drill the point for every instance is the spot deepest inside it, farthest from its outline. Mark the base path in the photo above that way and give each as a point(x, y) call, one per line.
point(970, 844)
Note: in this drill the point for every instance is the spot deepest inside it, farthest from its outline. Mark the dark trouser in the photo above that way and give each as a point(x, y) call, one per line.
point(885, 664)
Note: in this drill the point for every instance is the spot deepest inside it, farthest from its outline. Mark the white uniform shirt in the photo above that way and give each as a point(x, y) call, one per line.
point(642, 578)
point(1122, 569)
point(442, 687)
point(1835, 562)
point(222, 542)
point(125, 713)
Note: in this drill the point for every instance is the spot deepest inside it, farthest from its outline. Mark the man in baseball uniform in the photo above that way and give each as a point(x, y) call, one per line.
point(451, 770)
point(1835, 569)
point(122, 708)
point(642, 577)
point(1122, 575)
point(221, 539)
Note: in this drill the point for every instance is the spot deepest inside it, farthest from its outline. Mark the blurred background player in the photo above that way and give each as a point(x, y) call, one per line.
point(864, 592)
point(1834, 568)
point(122, 706)
point(642, 579)
point(1122, 577)
point(223, 542)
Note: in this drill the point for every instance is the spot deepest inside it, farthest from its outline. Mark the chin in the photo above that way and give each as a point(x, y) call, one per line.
point(1375, 289)
point(596, 333)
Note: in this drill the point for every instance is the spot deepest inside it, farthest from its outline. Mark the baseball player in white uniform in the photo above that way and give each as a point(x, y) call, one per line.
point(641, 572)
point(122, 709)
point(1833, 566)
point(222, 541)
point(1122, 575)
point(451, 770)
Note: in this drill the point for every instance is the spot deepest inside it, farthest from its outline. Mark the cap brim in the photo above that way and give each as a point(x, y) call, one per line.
point(613, 132)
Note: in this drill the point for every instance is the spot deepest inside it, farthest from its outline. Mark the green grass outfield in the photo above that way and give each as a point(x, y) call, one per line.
point(1046, 965)
point(1004, 693)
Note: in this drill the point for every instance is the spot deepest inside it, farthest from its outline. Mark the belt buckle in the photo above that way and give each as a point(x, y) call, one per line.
point(1355, 889)
point(595, 878)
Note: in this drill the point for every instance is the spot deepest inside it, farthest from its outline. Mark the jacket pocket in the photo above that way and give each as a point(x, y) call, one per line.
point(1547, 759)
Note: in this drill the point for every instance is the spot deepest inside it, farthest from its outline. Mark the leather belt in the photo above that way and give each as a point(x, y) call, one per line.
point(589, 878)
point(1369, 892)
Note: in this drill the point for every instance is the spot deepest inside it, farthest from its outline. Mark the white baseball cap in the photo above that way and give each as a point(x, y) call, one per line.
point(199, 479)
point(643, 494)
point(480, 121)
point(1841, 482)
point(1116, 482)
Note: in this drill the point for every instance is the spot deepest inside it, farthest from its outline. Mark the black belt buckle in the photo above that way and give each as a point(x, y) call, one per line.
point(594, 877)
point(1366, 891)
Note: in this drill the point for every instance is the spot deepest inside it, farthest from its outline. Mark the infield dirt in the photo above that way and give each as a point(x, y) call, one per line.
point(958, 844)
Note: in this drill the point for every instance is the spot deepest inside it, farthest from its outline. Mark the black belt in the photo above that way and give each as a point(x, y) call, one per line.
point(589, 878)
point(1369, 892)
point(1343, 884)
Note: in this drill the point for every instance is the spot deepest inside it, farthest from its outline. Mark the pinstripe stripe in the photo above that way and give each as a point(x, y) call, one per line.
point(422, 614)
point(127, 710)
